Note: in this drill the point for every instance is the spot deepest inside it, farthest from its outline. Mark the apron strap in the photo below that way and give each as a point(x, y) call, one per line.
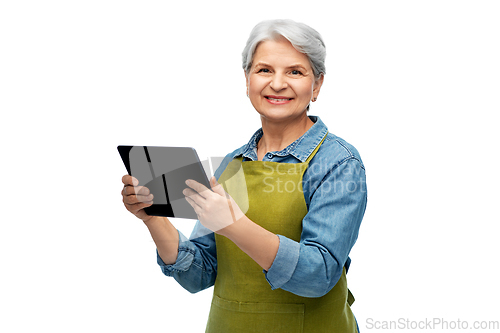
point(316, 149)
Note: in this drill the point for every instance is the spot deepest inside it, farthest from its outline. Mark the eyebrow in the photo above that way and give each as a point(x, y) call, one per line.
point(296, 66)
point(260, 63)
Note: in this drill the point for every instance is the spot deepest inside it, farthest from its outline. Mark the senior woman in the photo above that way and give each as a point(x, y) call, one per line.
point(275, 232)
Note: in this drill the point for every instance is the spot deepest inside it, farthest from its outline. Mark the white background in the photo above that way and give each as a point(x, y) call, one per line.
point(413, 85)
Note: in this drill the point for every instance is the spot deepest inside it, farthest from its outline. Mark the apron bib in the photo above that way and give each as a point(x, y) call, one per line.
point(243, 300)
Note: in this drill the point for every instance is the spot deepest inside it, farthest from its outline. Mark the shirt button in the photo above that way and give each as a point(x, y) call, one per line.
point(269, 155)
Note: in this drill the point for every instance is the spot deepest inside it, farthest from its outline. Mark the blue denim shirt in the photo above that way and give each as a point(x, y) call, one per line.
point(334, 188)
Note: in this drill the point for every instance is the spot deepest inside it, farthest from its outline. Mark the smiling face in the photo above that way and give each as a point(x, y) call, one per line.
point(281, 81)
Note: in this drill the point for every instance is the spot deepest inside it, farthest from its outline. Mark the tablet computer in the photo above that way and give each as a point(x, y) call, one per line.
point(164, 171)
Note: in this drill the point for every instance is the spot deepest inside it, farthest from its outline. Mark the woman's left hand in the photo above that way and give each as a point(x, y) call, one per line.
point(216, 210)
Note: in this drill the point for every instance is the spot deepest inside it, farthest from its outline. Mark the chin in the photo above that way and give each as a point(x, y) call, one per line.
point(279, 114)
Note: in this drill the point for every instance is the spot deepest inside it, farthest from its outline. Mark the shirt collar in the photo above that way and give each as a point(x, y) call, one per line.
point(300, 148)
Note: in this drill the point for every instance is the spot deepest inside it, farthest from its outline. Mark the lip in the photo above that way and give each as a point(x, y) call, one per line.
point(278, 100)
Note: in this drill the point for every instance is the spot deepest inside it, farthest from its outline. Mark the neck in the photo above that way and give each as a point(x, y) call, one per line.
point(278, 135)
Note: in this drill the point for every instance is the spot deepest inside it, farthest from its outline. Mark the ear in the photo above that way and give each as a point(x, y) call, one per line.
point(317, 85)
point(246, 79)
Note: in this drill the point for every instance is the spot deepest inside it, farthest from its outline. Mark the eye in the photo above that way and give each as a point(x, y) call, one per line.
point(263, 70)
point(296, 72)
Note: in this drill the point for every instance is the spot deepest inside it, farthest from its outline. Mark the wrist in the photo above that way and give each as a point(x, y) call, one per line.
point(231, 230)
point(156, 222)
point(148, 219)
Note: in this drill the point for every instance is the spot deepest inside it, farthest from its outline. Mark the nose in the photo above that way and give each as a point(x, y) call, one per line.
point(278, 82)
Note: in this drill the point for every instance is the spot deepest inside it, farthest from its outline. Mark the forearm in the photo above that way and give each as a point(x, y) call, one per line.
point(196, 266)
point(260, 244)
point(166, 238)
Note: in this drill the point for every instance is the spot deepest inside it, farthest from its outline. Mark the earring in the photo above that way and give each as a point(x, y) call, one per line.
point(314, 99)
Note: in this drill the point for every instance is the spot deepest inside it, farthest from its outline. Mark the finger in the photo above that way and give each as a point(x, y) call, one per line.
point(135, 190)
point(128, 190)
point(143, 198)
point(129, 180)
point(195, 206)
point(193, 195)
point(198, 187)
point(133, 199)
point(217, 188)
point(135, 208)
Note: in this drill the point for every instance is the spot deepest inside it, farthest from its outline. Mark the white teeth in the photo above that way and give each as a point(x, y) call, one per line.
point(279, 100)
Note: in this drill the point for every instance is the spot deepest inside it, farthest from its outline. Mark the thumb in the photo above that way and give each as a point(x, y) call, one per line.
point(216, 187)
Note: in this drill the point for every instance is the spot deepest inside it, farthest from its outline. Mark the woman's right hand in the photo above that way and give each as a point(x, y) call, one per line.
point(136, 198)
point(164, 234)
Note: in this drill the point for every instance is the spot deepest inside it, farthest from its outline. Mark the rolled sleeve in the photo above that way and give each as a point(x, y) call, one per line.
point(284, 263)
point(196, 266)
point(185, 257)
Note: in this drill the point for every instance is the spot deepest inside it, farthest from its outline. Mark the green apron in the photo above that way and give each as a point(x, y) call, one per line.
point(243, 300)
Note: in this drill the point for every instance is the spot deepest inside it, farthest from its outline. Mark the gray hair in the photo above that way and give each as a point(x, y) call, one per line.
point(304, 38)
